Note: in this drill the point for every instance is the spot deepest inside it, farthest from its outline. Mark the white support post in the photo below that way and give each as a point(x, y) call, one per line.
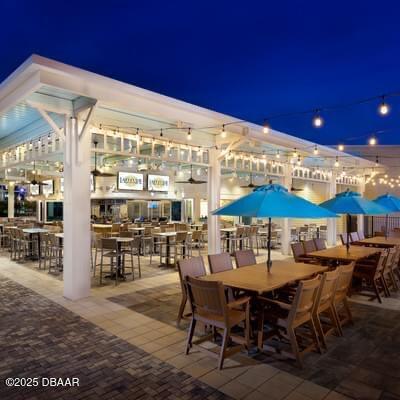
point(360, 218)
point(285, 238)
point(213, 192)
point(331, 222)
point(10, 201)
point(77, 239)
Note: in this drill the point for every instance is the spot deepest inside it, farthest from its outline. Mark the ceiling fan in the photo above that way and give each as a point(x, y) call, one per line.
point(251, 185)
point(294, 189)
point(34, 181)
point(191, 180)
point(97, 172)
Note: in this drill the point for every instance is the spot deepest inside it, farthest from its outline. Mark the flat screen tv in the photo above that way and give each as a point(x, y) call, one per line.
point(54, 211)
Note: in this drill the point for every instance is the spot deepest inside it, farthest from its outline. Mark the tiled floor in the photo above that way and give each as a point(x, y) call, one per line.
point(148, 331)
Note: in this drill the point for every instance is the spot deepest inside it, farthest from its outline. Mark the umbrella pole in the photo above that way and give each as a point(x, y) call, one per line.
point(348, 232)
point(269, 262)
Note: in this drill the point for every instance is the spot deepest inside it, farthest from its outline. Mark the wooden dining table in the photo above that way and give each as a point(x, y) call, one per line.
point(340, 253)
point(256, 278)
point(379, 241)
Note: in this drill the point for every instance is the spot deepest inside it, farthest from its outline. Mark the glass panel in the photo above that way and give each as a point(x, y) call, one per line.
point(130, 145)
point(159, 150)
point(113, 143)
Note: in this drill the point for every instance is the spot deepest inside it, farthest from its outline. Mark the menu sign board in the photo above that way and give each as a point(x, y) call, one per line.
point(158, 183)
point(130, 181)
point(48, 187)
point(34, 189)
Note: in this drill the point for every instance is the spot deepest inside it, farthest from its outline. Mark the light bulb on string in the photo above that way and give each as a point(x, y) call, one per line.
point(341, 147)
point(315, 151)
point(277, 155)
point(317, 120)
point(223, 132)
point(298, 160)
point(383, 108)
point(295, 154)
point(376, 161)
point(372, 141)
point(189, 134)
point(161, 133)
point(337, 162)
point(266, 127)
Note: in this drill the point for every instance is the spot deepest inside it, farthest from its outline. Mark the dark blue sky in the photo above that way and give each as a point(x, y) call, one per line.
point(248, 59)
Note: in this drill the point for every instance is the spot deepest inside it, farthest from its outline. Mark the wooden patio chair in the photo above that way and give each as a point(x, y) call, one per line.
point(220, 262)
point(209, 306)
point(361, 235)
point(193, 267)
point(320, 243)
point(340, 300)
point(388, 272)
point(286, 319)
point(309, 246)
point(354, 236)
point(299, 254)
point(244, 258)
point(368, 277)
point(324, 311)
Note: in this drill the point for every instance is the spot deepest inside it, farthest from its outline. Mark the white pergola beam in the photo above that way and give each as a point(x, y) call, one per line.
point(49, 120)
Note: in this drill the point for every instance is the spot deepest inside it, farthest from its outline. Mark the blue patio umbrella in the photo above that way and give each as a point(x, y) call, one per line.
point(348, 203)
point(390, 202)
point(273, 201)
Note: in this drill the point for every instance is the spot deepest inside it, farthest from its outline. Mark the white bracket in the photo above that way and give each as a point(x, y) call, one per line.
point(231, 146)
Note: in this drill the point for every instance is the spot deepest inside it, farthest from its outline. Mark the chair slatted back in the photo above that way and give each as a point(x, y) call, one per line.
point(327, 289)
point(309, 246)
point(109, 244)
point(126, 234)
point(354, 236)
point(344, 280)
point(297, 250)
point(220, 262)
point(304, 300)
point(196, 235)
point(207, 299)
point(361, 235)
point(320, 243)
point(181, 237)
point(193, 267)
point(244, 258)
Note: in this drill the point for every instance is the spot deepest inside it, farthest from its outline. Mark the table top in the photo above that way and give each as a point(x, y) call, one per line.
point(137, 228)
point(377, 240)
point(228, 229)
point(34, 230)
point(123, 239)
point(340, 253)
point(256, 278)
point(102, 226)
point(59, 235)
point(166, 234)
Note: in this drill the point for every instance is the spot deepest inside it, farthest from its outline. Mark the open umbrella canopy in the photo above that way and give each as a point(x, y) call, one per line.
point(273, 201)
point(349, 202)
point(389, 201)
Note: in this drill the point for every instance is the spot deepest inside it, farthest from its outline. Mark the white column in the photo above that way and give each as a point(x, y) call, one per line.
point(285, 238)
point(11, 199)
point(76, 211)
point(213, 192)
point(360, 218)
point(331, 222)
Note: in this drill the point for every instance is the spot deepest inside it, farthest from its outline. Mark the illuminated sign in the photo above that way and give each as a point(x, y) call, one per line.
point(158, 183)
point(130, 181)
point(34, 189)
point(48, 187)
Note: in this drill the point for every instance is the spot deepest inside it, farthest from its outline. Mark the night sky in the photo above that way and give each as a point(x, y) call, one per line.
point(248, 59)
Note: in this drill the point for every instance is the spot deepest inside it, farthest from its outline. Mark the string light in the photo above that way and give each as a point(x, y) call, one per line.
point(295, 153)
point(383, 108)
point(277, 155)
point(223, 132)
point(372, 141)
point(315, 150)
point(376, 161)
point(341, 147)
point(337, 162)
point(189, 134)
point(298, 160)
point(161, 133)
point(266, 128)
point(317, 121)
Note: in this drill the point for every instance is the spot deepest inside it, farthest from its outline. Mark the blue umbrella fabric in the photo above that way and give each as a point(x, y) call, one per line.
point(273, 201)
point(350, 202)
point(390, 202)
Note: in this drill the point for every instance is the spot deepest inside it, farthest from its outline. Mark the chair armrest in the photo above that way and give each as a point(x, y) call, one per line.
point(239, 302)
point(276, 302)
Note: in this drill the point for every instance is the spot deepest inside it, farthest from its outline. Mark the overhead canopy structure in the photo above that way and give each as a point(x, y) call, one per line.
point(52, 111)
